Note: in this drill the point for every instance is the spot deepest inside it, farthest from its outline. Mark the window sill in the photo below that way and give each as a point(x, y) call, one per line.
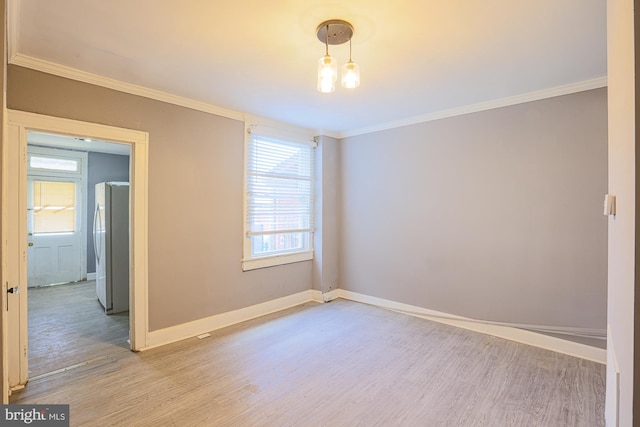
point(272, 261)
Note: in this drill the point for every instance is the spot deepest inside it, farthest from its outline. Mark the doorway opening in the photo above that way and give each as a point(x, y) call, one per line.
point(71, 322)
point(20, 125)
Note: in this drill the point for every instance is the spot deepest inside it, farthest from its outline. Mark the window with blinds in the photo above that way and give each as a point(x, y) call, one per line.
point(278, 201)
point(54, 205)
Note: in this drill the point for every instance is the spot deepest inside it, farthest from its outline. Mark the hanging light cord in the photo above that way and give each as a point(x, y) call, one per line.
point(350, 50)
point(327, 41)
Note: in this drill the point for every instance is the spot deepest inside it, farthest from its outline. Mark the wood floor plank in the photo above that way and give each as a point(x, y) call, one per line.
point(336, 364)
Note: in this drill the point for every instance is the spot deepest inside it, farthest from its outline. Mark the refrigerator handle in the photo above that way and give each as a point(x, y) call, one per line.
point(96, 216)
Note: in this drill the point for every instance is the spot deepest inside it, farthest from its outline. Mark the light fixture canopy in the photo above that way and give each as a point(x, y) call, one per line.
point(334, 32)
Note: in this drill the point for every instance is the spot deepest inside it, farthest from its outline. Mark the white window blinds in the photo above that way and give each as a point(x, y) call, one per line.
point(279, 196)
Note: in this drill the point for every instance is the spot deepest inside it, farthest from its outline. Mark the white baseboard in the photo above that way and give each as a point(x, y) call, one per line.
point(91, 276)
point(612, 402)
point(514, 334)
point(212, 323)
point(320, 296)
point(208, 324)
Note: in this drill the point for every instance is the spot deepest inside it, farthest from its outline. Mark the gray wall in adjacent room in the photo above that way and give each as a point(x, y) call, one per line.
point(494, 215)
point(102, 168)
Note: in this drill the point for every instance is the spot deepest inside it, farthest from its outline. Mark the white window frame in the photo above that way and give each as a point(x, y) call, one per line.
point(55, 153)
point(249, 261)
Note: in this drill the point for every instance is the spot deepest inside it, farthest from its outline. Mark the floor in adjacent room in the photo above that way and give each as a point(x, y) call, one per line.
point(68, 326)
point(336, 364)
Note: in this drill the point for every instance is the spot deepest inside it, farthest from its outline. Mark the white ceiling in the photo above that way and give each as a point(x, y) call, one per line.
point(259, 57)
point(77, 144)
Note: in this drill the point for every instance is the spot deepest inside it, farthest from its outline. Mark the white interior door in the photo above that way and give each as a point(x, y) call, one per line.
point(54, 220)
point(56, 215)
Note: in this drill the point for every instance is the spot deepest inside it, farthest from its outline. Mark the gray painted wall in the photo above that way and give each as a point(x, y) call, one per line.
point(195, 197)
point(495, 215)
point(102, 168)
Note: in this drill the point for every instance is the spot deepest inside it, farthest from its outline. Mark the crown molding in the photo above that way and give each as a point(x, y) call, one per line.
point(299, 132)
point(13, 14)
point(329, 133)
point(95, 79)
point(483, 106)
point(15, 58)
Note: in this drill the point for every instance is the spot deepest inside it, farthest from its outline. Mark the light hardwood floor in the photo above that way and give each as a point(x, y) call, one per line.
point(335, 364)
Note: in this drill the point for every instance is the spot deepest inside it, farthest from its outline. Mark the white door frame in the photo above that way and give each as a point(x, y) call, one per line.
point(4, 362)
point(14, 186)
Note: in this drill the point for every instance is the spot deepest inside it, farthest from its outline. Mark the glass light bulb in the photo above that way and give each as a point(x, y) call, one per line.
point(327, 74)
point(350, 75)
point(326, 86)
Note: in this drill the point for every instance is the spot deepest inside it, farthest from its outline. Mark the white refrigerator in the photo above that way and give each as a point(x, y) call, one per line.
point(111, 244)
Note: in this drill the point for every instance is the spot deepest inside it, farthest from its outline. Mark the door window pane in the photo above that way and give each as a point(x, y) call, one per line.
point(54, 206)
point(54, 163)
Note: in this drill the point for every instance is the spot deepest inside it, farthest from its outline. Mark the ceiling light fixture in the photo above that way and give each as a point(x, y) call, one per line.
point(336, 31)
